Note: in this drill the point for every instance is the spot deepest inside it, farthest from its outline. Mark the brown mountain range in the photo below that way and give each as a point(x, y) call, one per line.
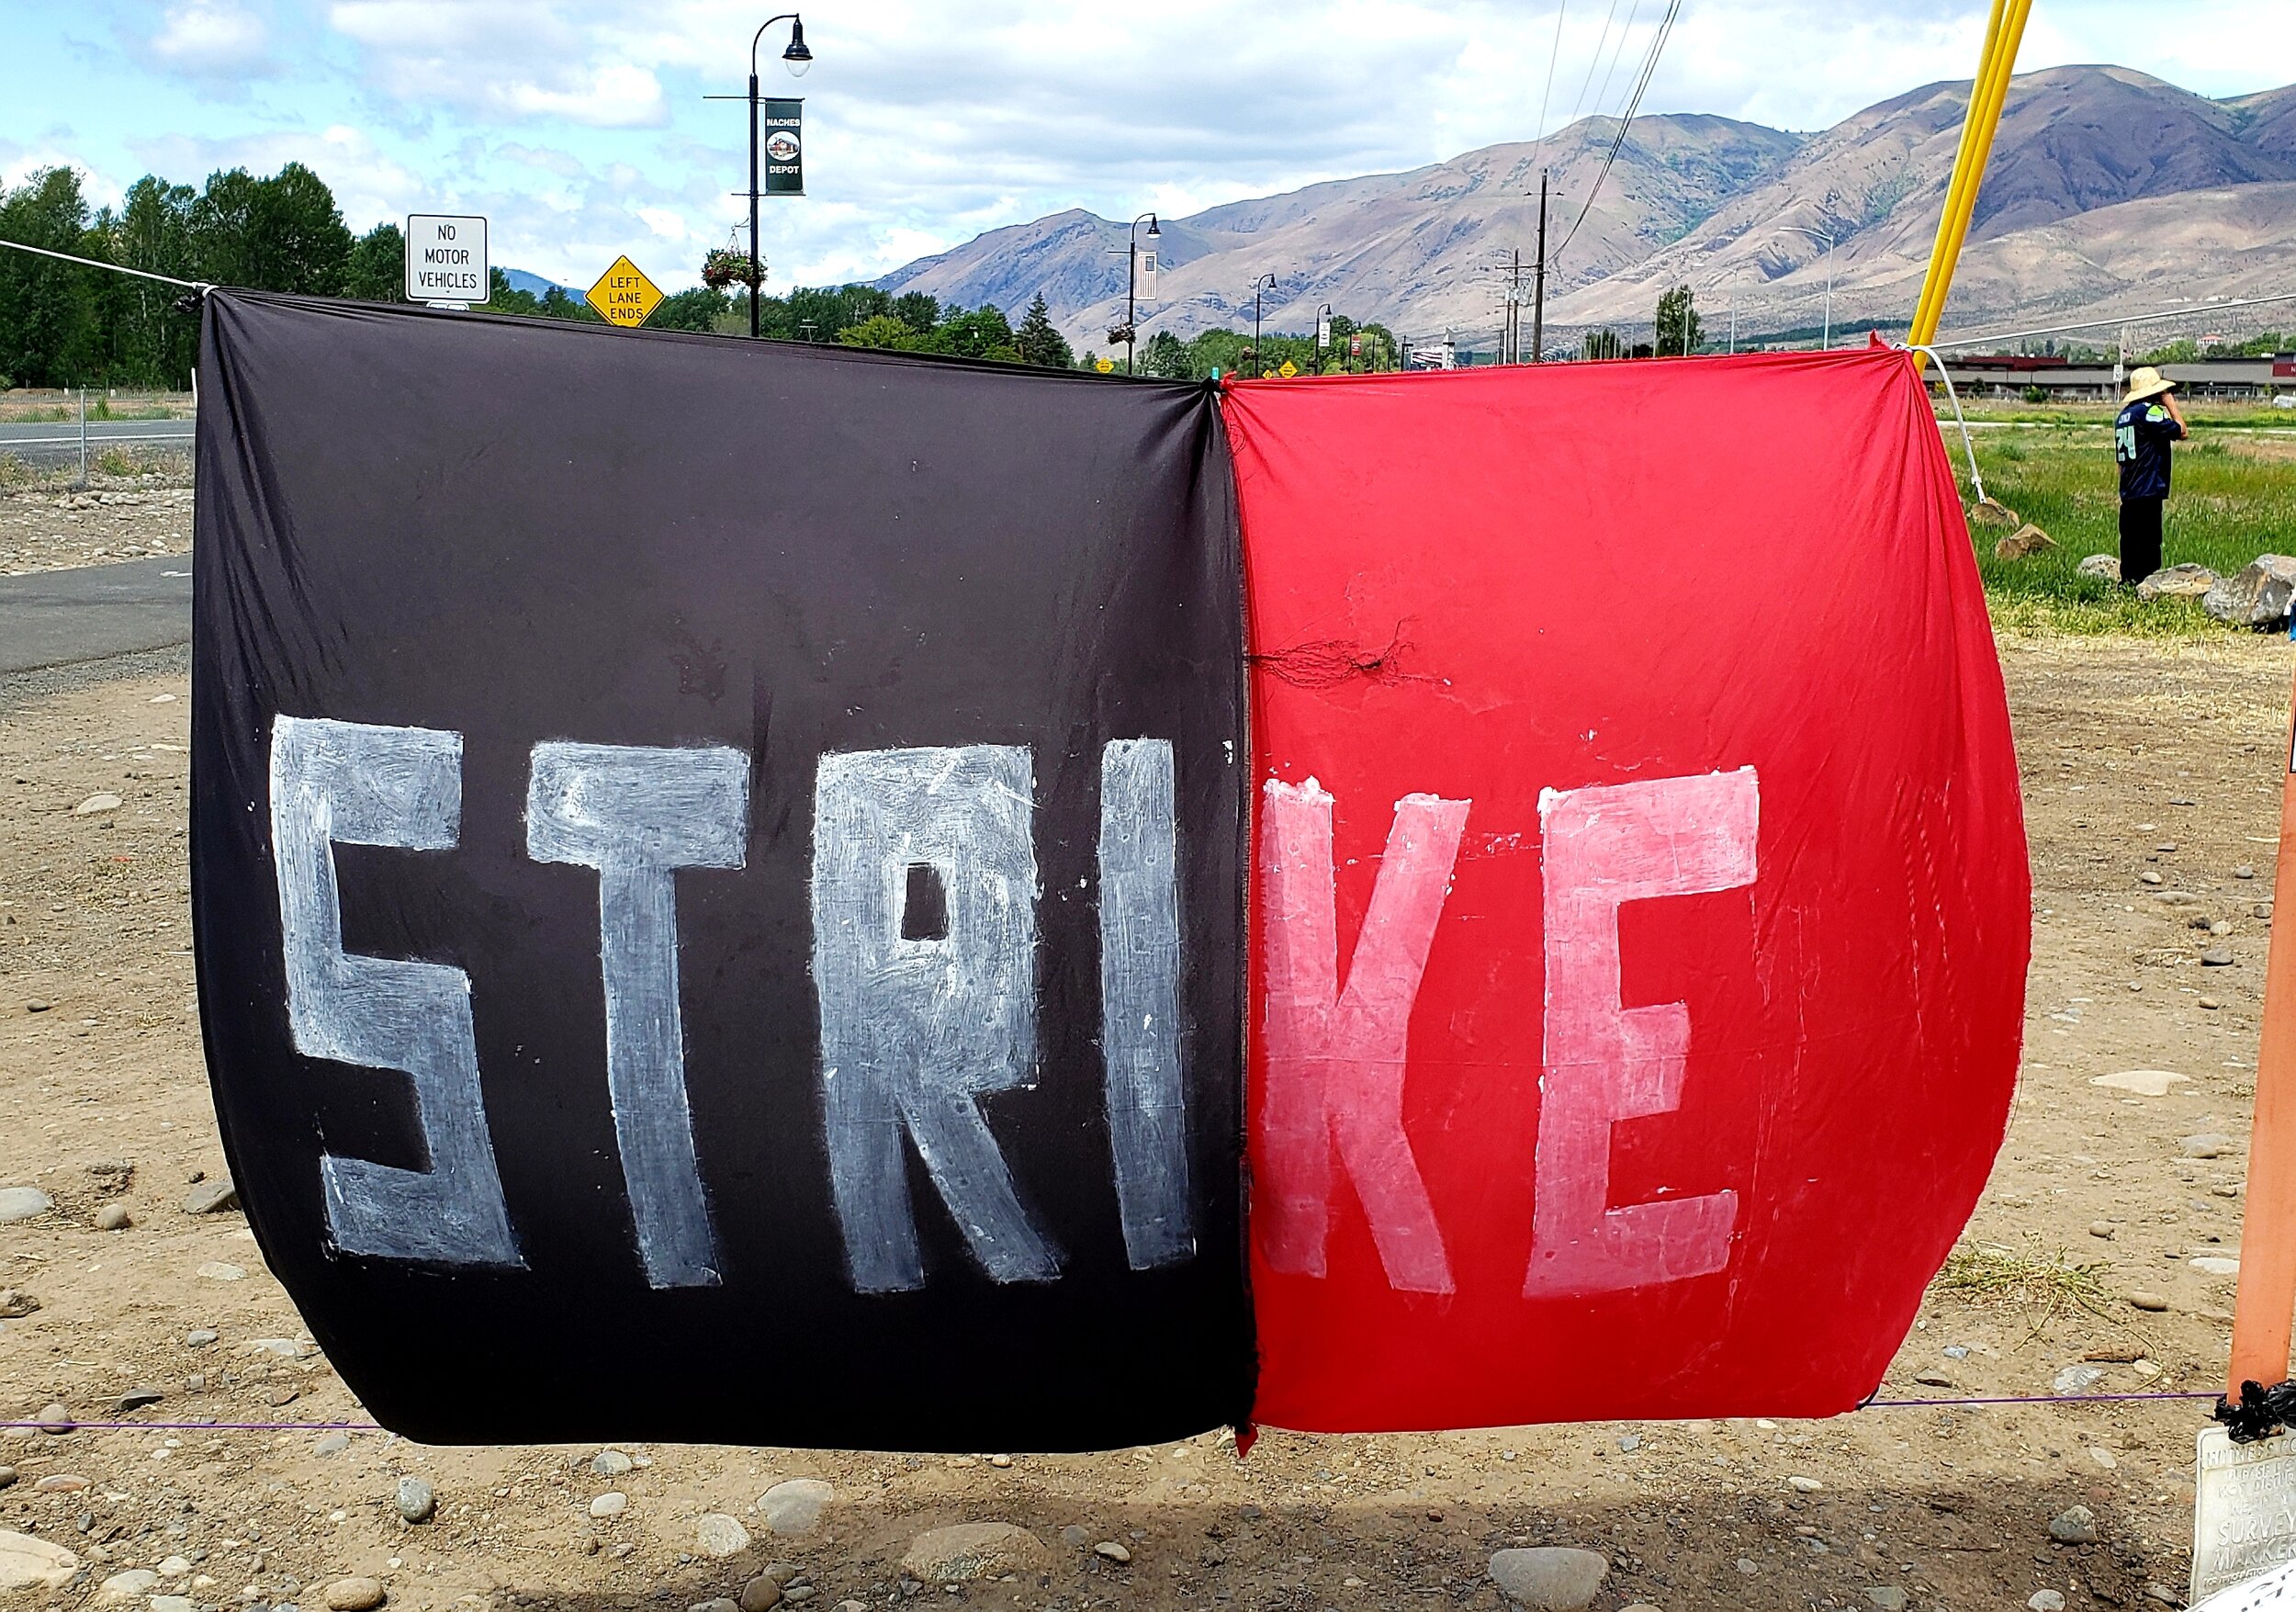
point(2109, 191)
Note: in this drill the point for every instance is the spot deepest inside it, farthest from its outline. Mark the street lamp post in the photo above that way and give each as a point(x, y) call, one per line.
point(1269, 281)
point(1131, 287)
point(1322, 323)
point(797, 59)
point(1828, 340)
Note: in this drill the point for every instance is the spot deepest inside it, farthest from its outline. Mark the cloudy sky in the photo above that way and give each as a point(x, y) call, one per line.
point(580, 127)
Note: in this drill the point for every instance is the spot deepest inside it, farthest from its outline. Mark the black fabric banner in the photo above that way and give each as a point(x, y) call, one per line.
point(718, 875)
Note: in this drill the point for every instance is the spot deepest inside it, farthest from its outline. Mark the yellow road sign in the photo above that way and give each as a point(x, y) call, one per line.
point(1289, 369)
point(624, 296)
point(1104, 365)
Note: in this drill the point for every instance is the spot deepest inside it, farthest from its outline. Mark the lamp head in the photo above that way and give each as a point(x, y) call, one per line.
point(1153, 232)
point(797, 59)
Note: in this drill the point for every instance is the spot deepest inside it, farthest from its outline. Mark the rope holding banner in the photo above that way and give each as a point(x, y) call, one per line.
point(1968, 445)
point(200, 286)
point(1988, 91)
point(2264, 1310)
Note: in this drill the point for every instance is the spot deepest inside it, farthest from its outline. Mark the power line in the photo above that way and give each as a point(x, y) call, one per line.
point(1553, 54)
point(1617, 54)
point(1595, 61)
point(116, 268)
point(1634, 104)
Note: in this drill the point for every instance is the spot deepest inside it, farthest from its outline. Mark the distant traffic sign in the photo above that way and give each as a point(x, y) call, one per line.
point(1289, 369)
point(446, 259)
point(1104, 365)
point(624, 296)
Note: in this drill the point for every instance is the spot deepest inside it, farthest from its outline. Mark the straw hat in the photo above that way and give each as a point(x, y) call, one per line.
point(2144, 381)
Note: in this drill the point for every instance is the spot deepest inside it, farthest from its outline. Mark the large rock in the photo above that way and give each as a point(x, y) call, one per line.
point(211, 1196)
point(2028, 539)
point(1551, 1578)
point(2256, 597)
point(30, 1563)
point(2178, 581)
point(24, 1202)
point(795, 1506)
point(721, 1535)
point(2104, 565)
point(1994, 513)
point(940, 1556)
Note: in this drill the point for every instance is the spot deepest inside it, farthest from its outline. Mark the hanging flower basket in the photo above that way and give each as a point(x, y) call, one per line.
point(725, 267)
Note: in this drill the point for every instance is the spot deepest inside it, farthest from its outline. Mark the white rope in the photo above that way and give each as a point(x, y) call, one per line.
point(2196, 310)
point(1968, 445)
point(202, 287)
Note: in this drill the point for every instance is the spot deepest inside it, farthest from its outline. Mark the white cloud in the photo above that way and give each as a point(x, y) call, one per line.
point(213, 39)
point(498, 61)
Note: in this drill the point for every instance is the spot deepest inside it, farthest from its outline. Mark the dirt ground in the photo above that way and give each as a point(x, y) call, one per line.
point(2139, 758)
point(47, 526)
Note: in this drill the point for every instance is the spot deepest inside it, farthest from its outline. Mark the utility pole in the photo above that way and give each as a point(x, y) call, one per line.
point(1538, 277)
point(1511, 311)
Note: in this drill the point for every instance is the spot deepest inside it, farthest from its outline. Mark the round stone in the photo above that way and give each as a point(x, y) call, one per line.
point(1550, 1578)
point(613, 1502)
point(418, 1501)
point(971, 1550)
point(355, 1594)
point(793, 1507)
point(721, 1535)
point(112, 1217)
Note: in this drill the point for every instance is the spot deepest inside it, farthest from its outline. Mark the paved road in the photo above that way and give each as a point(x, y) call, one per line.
point(55, 618)
point(58, 442)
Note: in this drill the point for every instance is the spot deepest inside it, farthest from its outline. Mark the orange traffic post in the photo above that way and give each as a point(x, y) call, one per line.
point(2266, 1308)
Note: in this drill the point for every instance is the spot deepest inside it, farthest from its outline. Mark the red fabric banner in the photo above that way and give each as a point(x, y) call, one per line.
point(1640, 908)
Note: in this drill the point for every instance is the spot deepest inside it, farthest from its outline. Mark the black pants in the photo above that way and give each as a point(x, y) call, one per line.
point(2140, 538)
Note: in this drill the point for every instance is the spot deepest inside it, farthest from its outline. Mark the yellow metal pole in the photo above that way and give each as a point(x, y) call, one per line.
point(1959, 179)
point(1986, 99)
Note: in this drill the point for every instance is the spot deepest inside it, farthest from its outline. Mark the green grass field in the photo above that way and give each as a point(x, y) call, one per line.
point(2234, 498)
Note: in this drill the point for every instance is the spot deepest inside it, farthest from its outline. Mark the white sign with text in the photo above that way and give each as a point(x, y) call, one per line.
point(446, 259)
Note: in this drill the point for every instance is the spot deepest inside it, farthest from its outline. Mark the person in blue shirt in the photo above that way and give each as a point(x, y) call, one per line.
point(2148, 422)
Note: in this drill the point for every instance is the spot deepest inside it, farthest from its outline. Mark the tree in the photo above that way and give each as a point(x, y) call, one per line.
point(145, 334)
point(557, 304)
point(919, 310)
point(501, 299)
point(282, 233)
point(982, 333)
point(879, 330)
point(1601, 343)
point(1678, 330)
point(376, 268)
point(1039, 343)
point(698, 310)
point(1165, 356)
point(47, 330)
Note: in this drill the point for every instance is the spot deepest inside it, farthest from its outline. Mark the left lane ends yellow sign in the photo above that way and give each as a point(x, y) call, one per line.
point(624, 296)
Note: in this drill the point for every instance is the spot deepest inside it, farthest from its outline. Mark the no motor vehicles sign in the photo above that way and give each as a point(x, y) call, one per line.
point(446, 259)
